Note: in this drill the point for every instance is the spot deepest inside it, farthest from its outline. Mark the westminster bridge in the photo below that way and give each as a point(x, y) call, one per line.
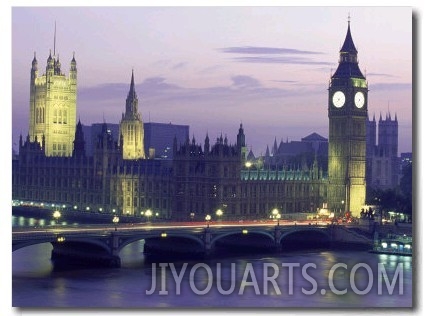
point(100, 245)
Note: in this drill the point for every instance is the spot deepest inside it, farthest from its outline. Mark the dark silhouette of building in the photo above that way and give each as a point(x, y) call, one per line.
point(383, 163)
point(159, 138)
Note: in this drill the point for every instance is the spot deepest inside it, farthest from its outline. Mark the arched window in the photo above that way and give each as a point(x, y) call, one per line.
point(55, 116)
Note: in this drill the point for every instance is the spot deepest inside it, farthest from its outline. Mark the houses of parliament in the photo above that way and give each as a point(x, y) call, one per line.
point(119, 176)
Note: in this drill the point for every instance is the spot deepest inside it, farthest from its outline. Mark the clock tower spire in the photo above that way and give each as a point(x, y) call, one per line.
point(347, 111)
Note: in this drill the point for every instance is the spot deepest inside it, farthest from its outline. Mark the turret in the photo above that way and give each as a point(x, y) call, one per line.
point(50, 65)
point(79, 142)
point(241, 143)
point(73, 71)
point(34, 69)
point(207, 144)
point(57, 66)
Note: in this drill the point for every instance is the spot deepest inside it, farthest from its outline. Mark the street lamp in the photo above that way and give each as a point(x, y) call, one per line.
point(115, 221)
point(219, 213)
point(208, 218)
point(148, 214)
point(57, 215)
point(276, 215)
point(342, 206)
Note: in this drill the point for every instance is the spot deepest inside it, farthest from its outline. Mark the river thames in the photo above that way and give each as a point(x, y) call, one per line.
point(298, 279)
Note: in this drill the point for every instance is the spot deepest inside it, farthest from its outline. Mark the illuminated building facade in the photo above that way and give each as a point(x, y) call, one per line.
point(118, 176)
point(53, 106)
point(347, 111)
point(208, 178)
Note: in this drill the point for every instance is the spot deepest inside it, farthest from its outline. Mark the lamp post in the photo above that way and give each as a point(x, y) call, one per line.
point(276, 215)
point(56, 215)
point(115, 221)
point(208, 218)
point(342, 206)
point(148, 214)
point(219, 214)
point(248, 164)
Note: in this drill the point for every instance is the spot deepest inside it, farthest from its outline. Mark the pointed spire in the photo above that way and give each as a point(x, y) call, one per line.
point(132, 93)
point(131, 107)
point(34, 63)
point(348, 46)
point(348, 64)
point(275, 147)
point(132, 79)
point(267, 152)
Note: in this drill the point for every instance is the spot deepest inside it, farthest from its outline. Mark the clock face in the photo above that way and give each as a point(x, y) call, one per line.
point(338, 99)
point(359, 99)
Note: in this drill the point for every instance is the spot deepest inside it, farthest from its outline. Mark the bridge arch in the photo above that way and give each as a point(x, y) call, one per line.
point(17, 246)
point(129, 240)
point(240, 232)
point(322, 231)
point(305, 238)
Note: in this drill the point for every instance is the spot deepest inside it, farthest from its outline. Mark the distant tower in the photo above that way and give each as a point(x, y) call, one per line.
point(388, 136)
point(348, 111)
point(53, 106)
point(241, 143)
point(79, 142)
point(131, 127)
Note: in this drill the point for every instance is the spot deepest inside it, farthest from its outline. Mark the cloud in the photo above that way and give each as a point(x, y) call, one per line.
point(179, 65)
point(245, 82)
point(265, 55)
point(266, 50)
point(390, 86)
point(157, 90)
point(280, 60)
point(285, 81)
point(210, 69)
point(374, 74)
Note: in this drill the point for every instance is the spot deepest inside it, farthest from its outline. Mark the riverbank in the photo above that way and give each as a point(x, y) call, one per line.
point(82, 217)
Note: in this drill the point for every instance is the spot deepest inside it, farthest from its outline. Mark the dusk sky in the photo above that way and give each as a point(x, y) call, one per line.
point(214, 67)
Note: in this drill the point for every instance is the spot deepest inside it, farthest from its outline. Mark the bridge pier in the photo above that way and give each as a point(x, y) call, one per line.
point(67, 257)
point(69, 254)
point(277, 235)
point(207, 242)
point(115, 251)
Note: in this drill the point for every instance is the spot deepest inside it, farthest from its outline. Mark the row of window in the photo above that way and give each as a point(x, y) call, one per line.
point(60, 116)
point(40, 115)
point(56, 97)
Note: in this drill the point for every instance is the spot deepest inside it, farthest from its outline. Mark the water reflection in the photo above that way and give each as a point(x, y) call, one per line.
point(35, 283)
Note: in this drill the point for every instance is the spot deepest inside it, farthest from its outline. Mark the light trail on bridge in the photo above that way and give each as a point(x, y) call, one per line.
point(198, 226)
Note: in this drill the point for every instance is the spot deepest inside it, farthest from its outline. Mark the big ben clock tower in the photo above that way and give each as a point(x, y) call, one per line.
point(347, 111)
